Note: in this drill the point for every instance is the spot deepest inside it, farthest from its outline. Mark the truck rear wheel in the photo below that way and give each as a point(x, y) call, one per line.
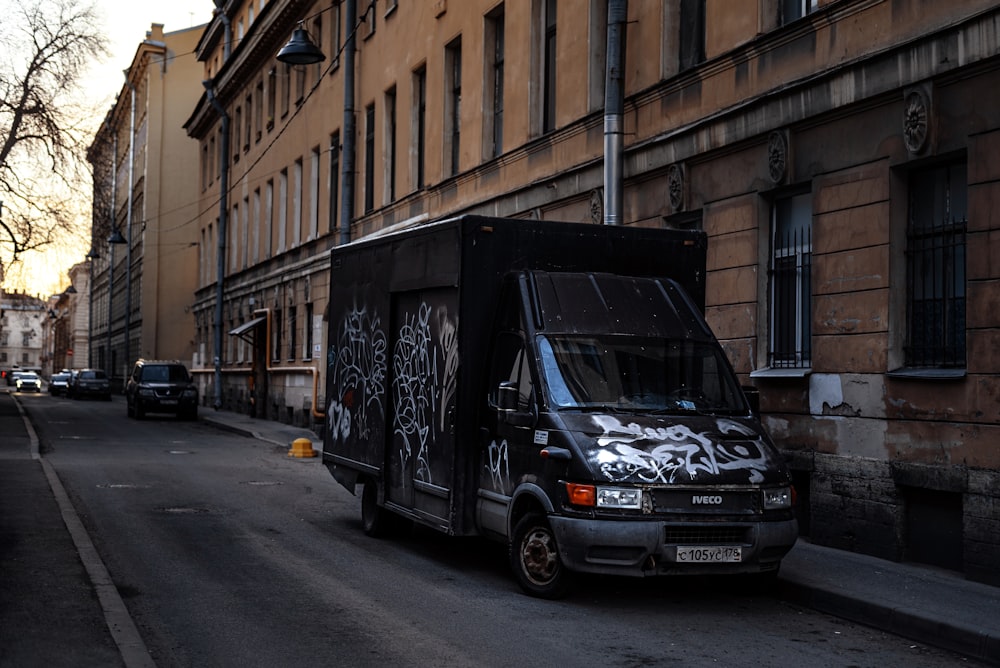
point(534, 558)
point(374, 519)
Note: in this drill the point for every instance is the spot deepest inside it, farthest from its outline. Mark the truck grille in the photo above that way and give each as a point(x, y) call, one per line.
point(708, 535)
point(708, 502)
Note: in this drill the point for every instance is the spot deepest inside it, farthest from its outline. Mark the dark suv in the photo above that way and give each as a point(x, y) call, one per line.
point(157, 386)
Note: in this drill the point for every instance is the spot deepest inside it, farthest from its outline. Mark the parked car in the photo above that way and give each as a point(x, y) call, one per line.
point(90, 383)
point(12, 377)
point(59, 383)
point(28, 381)
point(160, 386)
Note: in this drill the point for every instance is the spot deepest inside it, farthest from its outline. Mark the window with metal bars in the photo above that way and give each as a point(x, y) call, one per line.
point(791, 287)
point(935, 267)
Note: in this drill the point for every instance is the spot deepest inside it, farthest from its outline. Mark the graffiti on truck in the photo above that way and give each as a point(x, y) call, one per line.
point(358, 367)
point(424, 373)
point(675, 453)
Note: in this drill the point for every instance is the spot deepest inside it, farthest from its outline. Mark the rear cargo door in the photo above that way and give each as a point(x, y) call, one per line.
point(420, 457)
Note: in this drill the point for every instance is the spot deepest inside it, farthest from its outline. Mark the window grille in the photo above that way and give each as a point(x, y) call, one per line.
point(791, 286)
point(935, 266)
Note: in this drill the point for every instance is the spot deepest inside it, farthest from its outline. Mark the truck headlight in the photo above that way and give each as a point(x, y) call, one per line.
point(619, 497)
point(777, 498)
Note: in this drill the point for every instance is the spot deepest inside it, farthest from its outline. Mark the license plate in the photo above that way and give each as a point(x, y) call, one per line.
point(168, 402)
point(709, 555)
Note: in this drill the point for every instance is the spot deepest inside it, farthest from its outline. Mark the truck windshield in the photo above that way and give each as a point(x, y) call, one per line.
point(635, 374)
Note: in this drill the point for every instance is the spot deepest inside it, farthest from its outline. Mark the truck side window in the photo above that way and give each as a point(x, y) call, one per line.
point(510, 364)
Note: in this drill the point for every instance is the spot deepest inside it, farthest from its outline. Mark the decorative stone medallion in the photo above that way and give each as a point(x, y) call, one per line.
point(596, 206)
point(777, 157)
point(916, 120)
point(675, 187)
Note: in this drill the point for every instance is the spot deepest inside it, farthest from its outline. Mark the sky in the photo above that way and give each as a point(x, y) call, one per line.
point(126, 23)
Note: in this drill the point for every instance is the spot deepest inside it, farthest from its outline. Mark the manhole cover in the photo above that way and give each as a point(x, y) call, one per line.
point(263, 483)
point(121, 485)
point(180, 452)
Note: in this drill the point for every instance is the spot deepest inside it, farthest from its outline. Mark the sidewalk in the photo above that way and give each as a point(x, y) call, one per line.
point(41, 577)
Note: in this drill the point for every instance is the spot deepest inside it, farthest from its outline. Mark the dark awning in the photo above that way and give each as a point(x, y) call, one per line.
point(245, 330)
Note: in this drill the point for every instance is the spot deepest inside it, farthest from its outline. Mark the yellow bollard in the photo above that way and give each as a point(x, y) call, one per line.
point(302, 447)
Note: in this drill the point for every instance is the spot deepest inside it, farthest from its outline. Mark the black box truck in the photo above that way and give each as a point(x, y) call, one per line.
point(555, 386)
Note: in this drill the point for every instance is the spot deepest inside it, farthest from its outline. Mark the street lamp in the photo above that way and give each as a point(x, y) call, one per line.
point(300, 49)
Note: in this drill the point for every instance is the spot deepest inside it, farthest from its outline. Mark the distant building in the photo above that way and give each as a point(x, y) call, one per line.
point(145, 171)
point(21, 331)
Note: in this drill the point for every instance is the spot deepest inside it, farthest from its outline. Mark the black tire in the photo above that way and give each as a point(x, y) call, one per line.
point(534, 558)
point(138, 410)
point(374, 518)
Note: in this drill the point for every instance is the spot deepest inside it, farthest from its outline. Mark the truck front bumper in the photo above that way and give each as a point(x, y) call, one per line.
point(643, 548)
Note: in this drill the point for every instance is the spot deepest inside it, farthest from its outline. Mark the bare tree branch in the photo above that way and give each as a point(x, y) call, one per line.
point(46, 47)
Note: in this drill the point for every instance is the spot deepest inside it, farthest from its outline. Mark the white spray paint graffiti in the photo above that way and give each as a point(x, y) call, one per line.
point(675, 453)
point(497, 466)
point(414, 379)
point(358, 367)
point(449, 352)
point(418, 390)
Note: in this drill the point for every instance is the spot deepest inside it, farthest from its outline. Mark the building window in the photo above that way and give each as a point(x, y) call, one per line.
point(549, 76)
point(453, 103)
point(286, 88)
point(369, 158)
point(308, 325)
point(314, 193)
point(796, 9)
point(597, 72)
point(390, 145)
point(248, 134)
point(292, 331)
point(245, 236)
point(791, 288)
point(335, 36)
point(282, 209)
point(234, 239)
point(256, 227)
point(333, 179)
point(268, 217)
point(494, 89)
point(238, 130)
point(272, 94)
point(420, 125)
point(297, 193)
point(278, 325)
point(258, 111)
point(317, 33)
point(692, 35)
point(935, 265)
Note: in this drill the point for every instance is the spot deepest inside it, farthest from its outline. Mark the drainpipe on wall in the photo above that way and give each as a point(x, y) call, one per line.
point(614, 107)
point(347, 170)
point(221, 255)
point(110, 370)
point(128, 224)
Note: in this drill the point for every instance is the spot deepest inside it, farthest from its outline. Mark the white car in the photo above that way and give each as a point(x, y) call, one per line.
point(28, 381)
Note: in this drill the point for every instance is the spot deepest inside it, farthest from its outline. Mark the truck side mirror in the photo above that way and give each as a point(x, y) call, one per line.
point(507, 396)
point(508, 409)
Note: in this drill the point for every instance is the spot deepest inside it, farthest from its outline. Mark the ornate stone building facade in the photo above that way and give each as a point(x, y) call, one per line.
point(838, 153)
point(144, 184)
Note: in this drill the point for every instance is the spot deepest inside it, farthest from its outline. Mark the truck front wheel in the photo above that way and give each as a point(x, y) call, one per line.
point(534, 558)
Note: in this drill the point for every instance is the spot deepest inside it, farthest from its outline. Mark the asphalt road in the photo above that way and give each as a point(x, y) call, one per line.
point(229, 553)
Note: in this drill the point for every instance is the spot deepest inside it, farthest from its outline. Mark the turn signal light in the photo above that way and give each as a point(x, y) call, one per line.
point(581, 495)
